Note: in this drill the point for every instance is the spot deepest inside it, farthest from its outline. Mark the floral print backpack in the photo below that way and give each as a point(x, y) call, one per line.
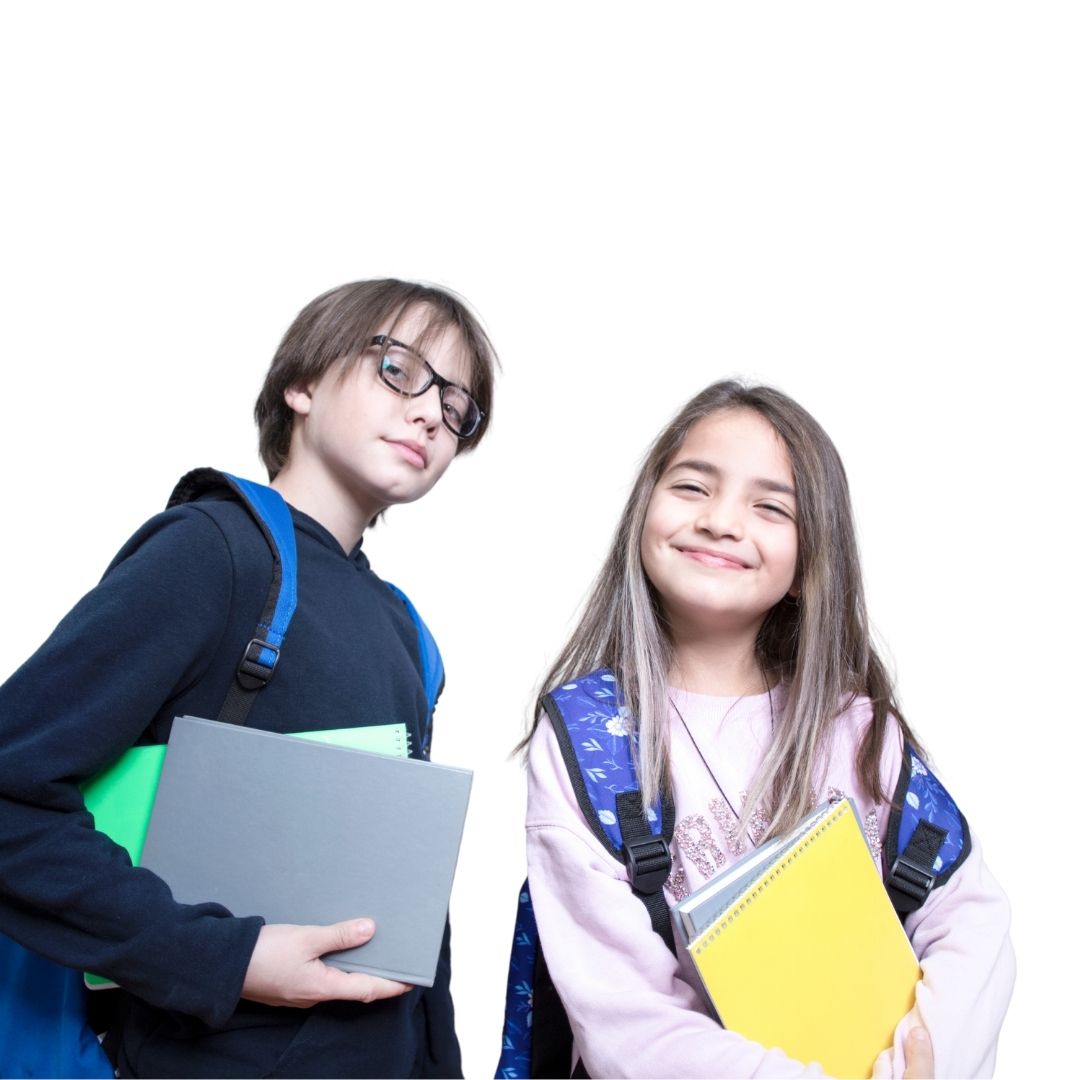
point(926, 842)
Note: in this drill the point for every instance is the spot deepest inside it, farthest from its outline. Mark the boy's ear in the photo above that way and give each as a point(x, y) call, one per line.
point(298, 398)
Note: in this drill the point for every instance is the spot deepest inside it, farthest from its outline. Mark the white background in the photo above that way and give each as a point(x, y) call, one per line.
point(873, 208)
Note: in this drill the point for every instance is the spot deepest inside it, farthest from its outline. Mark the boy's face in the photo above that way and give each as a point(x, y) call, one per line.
point(372, 444)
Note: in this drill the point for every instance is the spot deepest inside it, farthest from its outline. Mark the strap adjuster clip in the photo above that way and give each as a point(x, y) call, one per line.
point(648, 863)
point(253, 673)
point(912, 880)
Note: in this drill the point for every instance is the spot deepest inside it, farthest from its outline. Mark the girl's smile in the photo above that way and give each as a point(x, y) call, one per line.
point(719, 559)
point(720, 541)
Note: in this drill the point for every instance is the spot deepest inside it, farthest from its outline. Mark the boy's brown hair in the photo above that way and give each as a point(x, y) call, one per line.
point(339, 325)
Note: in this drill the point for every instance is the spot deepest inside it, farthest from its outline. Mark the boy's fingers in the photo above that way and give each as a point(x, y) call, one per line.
point(338, 985)
point(286, 967)
point(338, 936)
point(355, 986)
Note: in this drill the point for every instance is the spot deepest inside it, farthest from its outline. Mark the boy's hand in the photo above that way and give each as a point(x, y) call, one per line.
point(286, 968)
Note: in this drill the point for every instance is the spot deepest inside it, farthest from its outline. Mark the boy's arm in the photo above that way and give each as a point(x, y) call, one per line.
point(148, 631)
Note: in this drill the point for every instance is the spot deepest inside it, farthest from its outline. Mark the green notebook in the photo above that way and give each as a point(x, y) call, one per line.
point(122, 796)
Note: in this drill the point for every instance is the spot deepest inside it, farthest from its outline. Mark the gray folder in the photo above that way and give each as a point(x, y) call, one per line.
point(305, 832)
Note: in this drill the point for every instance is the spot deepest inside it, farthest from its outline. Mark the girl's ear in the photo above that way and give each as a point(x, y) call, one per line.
point(298, 398)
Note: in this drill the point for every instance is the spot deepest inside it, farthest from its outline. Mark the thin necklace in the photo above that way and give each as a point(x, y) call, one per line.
point(708, 767)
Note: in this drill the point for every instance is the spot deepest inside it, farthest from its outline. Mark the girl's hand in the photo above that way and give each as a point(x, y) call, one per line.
point(918, 1053)
point(286, 966)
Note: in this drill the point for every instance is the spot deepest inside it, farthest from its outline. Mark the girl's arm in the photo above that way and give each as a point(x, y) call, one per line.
point(961, 937)
point(631, 1011)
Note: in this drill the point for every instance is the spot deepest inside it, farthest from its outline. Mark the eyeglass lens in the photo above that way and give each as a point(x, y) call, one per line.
point(409, 374)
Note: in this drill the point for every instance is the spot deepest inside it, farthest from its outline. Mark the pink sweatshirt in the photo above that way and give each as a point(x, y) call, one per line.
point(635, 1008)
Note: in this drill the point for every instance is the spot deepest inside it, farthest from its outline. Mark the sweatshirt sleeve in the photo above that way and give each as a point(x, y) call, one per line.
point(631, 1011)
point(144, 634)
point(961, 937)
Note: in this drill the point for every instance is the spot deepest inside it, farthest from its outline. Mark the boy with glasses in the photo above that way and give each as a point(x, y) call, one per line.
point(374, 390)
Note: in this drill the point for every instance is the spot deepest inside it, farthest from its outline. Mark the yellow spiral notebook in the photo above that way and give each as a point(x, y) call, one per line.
point(811, 957)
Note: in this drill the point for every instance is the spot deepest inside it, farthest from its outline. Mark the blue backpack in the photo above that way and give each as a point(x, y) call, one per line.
point(925, 844)
point(44, 1030)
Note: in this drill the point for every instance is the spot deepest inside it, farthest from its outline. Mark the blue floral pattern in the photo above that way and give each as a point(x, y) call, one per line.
point(927, 800)
point(515, 1059)
point(595, 720)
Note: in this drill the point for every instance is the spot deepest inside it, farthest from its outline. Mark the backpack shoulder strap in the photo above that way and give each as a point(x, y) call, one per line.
point(520, 1016)
point(928, 837)
point(259, 659)
point(431, 665)
point(590, 725)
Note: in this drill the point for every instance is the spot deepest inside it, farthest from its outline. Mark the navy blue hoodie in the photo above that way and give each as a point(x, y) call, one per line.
point(159, 637)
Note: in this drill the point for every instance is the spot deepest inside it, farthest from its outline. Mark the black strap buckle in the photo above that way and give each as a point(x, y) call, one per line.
point(912, 880)
point(648, 863)
point(253, 673)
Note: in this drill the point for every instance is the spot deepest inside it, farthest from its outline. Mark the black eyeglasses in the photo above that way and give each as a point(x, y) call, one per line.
point(407, 373)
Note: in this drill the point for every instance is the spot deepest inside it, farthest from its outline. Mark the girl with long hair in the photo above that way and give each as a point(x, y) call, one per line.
point(730, 611)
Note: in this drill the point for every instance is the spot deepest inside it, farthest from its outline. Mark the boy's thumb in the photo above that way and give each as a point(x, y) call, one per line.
point(342, 935)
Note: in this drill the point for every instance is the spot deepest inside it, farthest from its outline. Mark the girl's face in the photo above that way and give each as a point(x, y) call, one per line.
point(720, 541)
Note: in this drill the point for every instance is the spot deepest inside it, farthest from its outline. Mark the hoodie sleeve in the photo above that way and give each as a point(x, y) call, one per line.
point(961, 937)
point(146, 632)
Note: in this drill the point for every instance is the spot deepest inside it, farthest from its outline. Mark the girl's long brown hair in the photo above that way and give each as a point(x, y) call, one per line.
point(820, 644)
